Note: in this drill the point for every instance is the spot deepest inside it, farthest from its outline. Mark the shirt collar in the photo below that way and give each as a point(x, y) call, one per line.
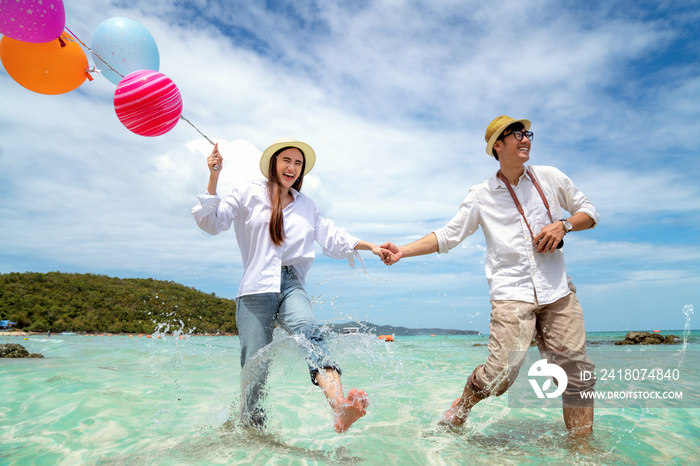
point(496, 183)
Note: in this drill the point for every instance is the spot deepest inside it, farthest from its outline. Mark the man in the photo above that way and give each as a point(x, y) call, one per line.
point(531, 294)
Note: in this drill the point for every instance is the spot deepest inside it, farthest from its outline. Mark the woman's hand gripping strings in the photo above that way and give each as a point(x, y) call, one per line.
point(215, 162)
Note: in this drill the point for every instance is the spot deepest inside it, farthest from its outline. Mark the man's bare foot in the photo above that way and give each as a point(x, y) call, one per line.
point(456, 415)
point(350, 410)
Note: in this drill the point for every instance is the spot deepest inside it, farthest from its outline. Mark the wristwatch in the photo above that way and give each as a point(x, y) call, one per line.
point(567, 225)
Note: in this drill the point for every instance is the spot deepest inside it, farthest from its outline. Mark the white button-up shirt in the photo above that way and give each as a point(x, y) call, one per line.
point(248, 209)
point(514, 268)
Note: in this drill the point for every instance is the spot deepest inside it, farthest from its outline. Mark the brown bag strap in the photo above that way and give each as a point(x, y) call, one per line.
point(503, 178)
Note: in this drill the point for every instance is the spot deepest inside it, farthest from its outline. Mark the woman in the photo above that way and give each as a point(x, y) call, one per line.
point(276, 226)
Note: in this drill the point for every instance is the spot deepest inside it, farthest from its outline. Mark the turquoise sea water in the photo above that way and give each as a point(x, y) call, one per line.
point(122, 400)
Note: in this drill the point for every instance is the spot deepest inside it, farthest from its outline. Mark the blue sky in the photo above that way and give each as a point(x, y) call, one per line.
point(395, 97)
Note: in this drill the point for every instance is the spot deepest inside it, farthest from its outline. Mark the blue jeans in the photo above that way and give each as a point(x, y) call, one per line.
point(255, 318)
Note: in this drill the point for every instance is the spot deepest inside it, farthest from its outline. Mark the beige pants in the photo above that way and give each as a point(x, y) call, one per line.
point(561, 337)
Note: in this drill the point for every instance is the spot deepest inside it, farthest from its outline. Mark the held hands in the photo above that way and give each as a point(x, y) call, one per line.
point(376, 250)
point(390, 254)
point(382, 251)
point(548, 238)
point(215, 161)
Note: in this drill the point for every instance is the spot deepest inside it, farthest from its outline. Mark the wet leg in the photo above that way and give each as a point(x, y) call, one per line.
point(579, 420)
point(346, 410)
point(511, 329)
point(457, 414)
point(255, 316)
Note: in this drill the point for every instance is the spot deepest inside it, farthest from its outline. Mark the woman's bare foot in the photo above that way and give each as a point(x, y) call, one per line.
point(350, 410)
point(456, 415)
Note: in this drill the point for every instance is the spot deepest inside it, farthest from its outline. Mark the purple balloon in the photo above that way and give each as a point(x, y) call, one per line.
point(32, 20)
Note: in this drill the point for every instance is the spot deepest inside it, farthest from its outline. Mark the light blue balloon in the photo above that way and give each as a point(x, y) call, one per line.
point(126, 46)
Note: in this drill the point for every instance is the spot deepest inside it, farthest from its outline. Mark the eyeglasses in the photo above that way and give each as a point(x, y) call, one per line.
point(519, 135)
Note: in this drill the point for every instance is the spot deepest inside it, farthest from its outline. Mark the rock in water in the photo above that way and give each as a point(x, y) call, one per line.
point(646, 338)
point(13, 350)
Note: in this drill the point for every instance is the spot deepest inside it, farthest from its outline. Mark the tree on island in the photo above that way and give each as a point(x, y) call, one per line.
point(90, 303)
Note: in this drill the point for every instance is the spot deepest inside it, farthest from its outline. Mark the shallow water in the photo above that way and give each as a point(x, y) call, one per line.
point(121, 400)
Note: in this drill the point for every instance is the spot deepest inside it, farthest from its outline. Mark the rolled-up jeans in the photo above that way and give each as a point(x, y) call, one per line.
point(256, 315)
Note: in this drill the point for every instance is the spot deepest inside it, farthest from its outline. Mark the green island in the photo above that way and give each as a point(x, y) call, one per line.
point(89, 303)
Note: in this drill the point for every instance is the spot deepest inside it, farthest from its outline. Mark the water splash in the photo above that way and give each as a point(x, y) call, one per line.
point(479, 248)
point(367, 364)
point(688, 311)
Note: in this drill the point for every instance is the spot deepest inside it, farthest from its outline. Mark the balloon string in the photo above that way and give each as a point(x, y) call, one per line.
point(93, 52)
point(204, 135)
point(110, 67)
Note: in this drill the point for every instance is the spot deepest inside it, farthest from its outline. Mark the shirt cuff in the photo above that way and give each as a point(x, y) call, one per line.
point(208, 204)
point(350, 256)
point(593, 214)
point(353, 253)
point(442, 242)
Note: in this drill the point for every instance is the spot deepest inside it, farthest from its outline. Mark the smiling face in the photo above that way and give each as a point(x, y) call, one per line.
point(510, 150)
point(289, 167)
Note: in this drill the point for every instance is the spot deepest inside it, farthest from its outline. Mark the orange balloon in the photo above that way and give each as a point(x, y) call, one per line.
point(54, 67)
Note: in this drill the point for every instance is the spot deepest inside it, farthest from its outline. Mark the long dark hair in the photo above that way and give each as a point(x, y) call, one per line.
point(273, 190)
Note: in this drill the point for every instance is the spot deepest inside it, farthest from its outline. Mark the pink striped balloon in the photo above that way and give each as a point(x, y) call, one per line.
point(148, 103)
